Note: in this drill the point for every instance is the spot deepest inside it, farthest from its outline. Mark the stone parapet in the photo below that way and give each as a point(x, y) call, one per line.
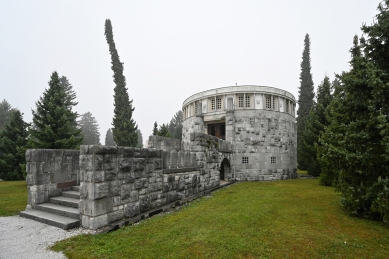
point(48, 172)
point(164, 143)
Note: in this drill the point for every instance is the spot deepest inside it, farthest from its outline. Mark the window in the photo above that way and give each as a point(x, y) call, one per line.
point(218, 103)
point(247, 101)
point(195, 109)
point(213, 104)
point(274, 103)
point(273, 160)
point(240, 98)
point(286, 105)
point(268, 102)
point(245, 160)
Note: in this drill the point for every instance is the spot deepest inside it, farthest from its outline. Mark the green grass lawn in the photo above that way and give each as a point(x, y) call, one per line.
point(279, 219)
point(13, 197)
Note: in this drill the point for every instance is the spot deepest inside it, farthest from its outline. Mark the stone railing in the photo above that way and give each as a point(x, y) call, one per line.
point(49, 171)
point(123, 182)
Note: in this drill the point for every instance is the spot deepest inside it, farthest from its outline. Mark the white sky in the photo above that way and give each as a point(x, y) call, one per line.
point(170, 49)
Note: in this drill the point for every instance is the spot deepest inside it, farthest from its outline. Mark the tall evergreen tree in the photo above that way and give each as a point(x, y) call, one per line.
point(13, 140)
point(140, 138)
point(54, 122)
point(70, 94)
point(124, 126)
point(155, 129)
point(6, 111)
point(164, 131)
point(109, 138)
point(90, 129)
point(175, 125)
point(315, 124)
point(305, 99)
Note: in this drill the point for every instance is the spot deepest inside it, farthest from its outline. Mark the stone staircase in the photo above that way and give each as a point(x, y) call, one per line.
point(61, 211)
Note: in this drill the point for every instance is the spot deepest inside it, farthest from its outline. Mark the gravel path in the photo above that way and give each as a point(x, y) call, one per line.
point(25, 238)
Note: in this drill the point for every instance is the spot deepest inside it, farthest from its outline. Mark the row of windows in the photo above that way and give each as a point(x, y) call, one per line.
point(216, 104)
point(245, 160)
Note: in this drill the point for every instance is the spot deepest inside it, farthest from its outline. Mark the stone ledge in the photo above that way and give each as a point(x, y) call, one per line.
point(181, 170)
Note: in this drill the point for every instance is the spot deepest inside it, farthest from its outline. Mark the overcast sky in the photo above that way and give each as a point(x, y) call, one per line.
point(170, 49)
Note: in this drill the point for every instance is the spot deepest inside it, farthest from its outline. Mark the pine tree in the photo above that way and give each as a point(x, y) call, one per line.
point(305, 100)
point(164, 131)
point(315, 124)
point(90, 129)
point(175, 125)
point(71, 95)
point(54, 122)
point(155, 129)
point(109, 138)
point(124, 126)
point(6, 111)
point(13, 140)
point(140, 138)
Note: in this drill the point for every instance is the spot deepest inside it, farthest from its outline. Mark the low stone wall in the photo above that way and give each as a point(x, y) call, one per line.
point(164, 143)
point(122, 182)
point(48, 172)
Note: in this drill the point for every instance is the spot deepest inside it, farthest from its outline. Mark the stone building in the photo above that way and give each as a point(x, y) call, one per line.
point(258, 121)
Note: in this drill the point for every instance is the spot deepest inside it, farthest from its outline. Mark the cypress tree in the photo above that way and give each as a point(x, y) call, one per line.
point(315, 124)
point(305, 100)
point(124, 126)
point(90, 129)
point(109, 138)
point(13, 140)
point(155, 129)
point(54, 122)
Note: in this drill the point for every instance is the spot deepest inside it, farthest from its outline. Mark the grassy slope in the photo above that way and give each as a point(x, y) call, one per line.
point(280, 219)
point(13, 197)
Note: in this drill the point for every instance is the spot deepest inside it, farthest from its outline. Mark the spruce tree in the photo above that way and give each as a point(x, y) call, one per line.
point(13, 140)
point(124, 126)
point(305, 100)
point(90, 129)
point(109, 138)
point(164, 131)
point(6, 111)
point(54, 122)
point(175, 125)
point(315, 124)
point(70, 94)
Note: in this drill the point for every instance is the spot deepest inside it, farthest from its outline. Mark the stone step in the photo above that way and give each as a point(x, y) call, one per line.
point(59, 210)
point(71, 194)
point(65, 201)
point(76, 188)
point(50, 219)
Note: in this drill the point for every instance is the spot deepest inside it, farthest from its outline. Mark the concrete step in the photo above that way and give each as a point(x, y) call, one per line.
point(50, 219)
point(76, 188)
point(71, 194)
point(59, 210)
point(65, 201)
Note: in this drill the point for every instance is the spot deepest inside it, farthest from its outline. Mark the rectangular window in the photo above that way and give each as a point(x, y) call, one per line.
point(245, 160)
point(273, 160)
point(195, 109)
point(274, 103)
point(213, 104)
point(247, 101)
point(287, 106)
point(218, 103)
point(268, 102)
point(240, 98)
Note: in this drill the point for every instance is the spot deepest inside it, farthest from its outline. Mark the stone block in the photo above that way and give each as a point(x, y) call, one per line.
point(115, 216)
point(94, 222)
point(126, 191)
point(139, 164)
point(100, 190)
point(131, 209)
point(125, 164)
point(110, 175)
point(172, 196)
point(114, 188)
point(141, 183)
point(110, 162)
point(98, 162)
point(96, 207)
point(144, 203)
point(181, 183)
point(99, 149)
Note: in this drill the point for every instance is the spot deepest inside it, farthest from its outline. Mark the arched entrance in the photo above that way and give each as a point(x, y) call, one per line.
point(225, 170)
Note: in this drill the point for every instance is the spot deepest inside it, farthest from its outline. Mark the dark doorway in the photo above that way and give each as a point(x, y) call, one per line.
point(217, 130)
point(225, 170)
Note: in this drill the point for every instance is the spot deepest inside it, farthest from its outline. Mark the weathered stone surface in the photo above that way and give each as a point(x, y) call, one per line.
point(144, 203)
point(126, 191)
point(132, 209)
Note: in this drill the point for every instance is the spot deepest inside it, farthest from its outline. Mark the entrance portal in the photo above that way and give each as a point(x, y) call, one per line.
point(225, 170)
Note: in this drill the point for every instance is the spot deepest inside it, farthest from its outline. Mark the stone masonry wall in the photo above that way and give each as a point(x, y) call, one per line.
point(259, 136)
point(48, 172)
point(122, 182)
point(164, 143)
